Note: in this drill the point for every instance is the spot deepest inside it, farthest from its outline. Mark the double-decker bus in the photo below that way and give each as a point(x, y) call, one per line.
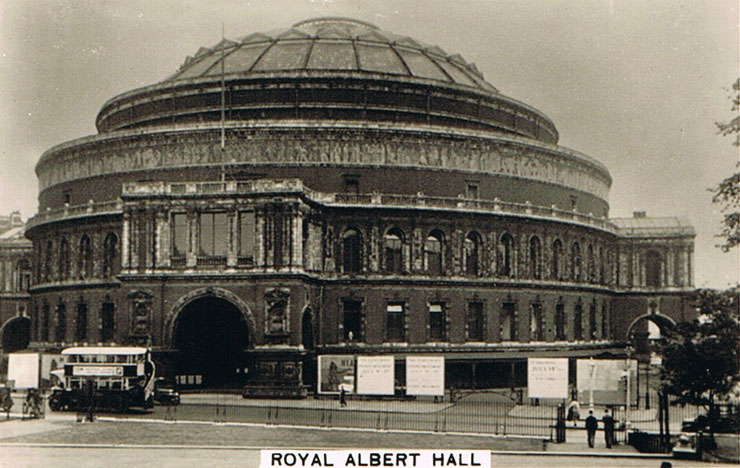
point(116, 378)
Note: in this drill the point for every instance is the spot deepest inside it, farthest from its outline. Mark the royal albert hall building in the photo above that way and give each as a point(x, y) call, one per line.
point(333, 188)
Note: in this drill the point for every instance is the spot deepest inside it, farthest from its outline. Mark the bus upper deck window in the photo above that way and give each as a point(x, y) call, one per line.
point(121, 359)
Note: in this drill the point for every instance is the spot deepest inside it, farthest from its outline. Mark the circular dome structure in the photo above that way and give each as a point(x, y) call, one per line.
point(377, 71)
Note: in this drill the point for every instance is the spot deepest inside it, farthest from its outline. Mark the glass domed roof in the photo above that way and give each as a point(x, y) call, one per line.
point(332, 45)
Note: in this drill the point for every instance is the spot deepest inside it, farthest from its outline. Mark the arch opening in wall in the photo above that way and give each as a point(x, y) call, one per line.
point(211, 336)
point(351, 251)
point(16, 334)
point(506, 256)
point(393, 249)
point(433, 260)
point(471, 254)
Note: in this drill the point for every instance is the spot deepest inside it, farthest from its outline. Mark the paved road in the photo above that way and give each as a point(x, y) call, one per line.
point(57, 457)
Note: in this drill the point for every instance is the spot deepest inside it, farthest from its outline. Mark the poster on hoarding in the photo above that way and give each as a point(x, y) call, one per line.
point(606, 379)
point(375, 375)
point(425, 375)
point(547, 377)
point(336, 372)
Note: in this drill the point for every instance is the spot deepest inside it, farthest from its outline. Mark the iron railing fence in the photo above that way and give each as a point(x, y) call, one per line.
point(467, 415)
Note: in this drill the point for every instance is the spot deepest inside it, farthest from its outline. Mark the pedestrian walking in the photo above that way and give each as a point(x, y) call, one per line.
point(574, 411)
point(343, 397)
point(608, 421)
point(591, 425)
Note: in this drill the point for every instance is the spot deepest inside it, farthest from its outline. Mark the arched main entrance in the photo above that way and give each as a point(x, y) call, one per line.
point(16, 334)
point(211, 336)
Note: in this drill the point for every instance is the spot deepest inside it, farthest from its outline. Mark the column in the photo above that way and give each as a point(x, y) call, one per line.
point(125, 241)
point(233, 246)
point(296, 251)
point(162, 235)
point(261, 231)
point(191, 258)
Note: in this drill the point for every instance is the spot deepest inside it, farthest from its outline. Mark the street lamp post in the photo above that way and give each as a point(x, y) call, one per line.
point(627, 390)
point(592, 366)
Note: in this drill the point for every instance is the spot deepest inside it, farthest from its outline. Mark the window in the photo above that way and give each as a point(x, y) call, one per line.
point(471, 250)
point(475, 321)
point(433, 253)
point(603, 321)
point(45, 319)
point(246, 235)
point(395, 326)
point(81, 322)
point(351, 184)
point(180, 238)
point(592, 322)
point(214, 234)
point(352, 321)
point(107, 315)
point(557, 260)
point(578, 322)
point(576, 262)
point(472, 190)
point(560, 321)
point(506, 256)
point(653, 267)
point(536, 330)
point(535, 253)
point(437, 322)
point(63, 260)
point(110, 254)
point(393, 246)
point(351, 248)
point(602, 265)
point(24, 275)
point(591, 265)
point(509, 328)
point(48, 261)
point(61, 333)
point(84, 261)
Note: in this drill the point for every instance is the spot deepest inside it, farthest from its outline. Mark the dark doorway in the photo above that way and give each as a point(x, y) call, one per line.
point(16, 335)
point(211, 336)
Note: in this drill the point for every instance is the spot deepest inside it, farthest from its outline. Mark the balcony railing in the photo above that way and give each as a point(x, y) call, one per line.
point(88, 209)
point(199, 189)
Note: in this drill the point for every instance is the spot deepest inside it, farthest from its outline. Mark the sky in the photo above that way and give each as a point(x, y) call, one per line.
point(636, 84)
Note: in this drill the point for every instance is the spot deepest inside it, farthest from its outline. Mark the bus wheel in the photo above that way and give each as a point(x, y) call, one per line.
point(54, 403)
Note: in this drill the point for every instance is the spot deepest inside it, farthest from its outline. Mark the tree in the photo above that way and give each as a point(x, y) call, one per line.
point(727, 192)
point(701, 358)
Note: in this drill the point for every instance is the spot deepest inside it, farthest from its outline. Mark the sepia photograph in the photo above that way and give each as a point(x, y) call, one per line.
point(344, 233)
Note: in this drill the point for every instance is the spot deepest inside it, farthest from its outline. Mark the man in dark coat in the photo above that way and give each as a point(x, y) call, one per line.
point(608, 421)
point(591, 425)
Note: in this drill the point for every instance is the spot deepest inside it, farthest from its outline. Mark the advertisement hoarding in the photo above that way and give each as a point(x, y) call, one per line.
point(375, 375)
point(547, 377)
point(425, 375)
point(336, 372)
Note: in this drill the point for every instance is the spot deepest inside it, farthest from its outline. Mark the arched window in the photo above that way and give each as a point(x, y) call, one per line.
point(576, 262)
point(61, 333)
point(110, 252)
point(602, 265)
point(653, 269)
point(535, 255)
point(48, 260)
point(63, 259)
point(471, 254)
point(557, 260)
point(506, 256)
point(433, 253)
point(84, 261)
point(351, 251)
point(591, 264)
point(393, 248)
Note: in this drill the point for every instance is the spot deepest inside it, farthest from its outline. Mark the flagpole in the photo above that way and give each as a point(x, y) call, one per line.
point(223, 105)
